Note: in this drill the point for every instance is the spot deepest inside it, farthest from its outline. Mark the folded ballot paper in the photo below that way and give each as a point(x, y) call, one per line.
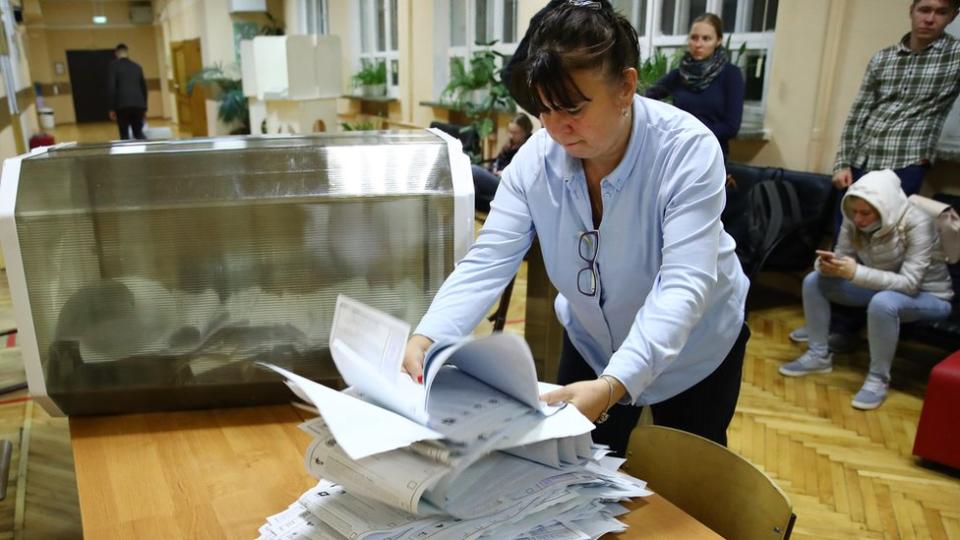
point(470, 453)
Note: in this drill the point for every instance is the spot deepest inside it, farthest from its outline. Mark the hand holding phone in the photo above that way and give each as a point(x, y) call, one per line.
point(826, 255)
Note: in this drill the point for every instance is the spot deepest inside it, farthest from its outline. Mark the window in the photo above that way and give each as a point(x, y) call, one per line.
point(378, 38)
point(472, 22)
point(663, 26)
point(313, 16)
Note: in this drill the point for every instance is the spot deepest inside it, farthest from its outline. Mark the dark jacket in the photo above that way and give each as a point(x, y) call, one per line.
point(719, 106)
point(126, 87)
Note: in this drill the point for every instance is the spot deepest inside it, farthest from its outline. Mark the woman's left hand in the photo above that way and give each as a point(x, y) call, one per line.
point(589, 397)
point(842, 267)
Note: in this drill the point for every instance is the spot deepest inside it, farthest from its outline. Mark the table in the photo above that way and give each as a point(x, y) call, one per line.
point(219, 473)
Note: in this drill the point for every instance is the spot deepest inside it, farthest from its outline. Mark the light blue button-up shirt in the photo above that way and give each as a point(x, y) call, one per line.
point(672, 291)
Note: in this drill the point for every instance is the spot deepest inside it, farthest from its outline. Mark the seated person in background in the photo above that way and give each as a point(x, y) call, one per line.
point(896, 120)
point(888, 260)
point(706, 84)
point(485, 181)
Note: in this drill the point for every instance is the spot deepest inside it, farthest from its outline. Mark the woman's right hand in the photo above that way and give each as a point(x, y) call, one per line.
point(416, 349)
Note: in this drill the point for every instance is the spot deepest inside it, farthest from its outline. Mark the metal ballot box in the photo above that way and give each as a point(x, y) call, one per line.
point(153, 275)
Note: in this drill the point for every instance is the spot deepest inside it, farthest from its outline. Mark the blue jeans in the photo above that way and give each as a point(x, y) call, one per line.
point(885, 311)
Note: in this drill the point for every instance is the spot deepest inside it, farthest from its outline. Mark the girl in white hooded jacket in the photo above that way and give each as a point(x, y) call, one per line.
point(887, 259)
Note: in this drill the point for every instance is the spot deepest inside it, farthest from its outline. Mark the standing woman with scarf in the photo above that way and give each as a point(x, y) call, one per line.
point(706, 84)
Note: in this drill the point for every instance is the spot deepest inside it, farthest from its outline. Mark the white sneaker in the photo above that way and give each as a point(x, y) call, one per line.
point(838, 342)
point(800, 335)
point(807, 364)
point(872, 394)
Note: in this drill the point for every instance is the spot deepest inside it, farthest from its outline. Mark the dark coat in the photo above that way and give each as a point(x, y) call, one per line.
point(126, 86)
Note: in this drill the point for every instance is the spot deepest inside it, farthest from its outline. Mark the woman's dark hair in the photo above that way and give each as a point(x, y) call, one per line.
point(566, 36)
point(524, 122)
point(714, 21)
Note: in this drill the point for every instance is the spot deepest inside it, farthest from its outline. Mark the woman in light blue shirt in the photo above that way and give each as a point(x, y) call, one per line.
point(624, 195)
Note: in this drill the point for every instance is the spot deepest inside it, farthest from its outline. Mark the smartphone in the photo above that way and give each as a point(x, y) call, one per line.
point(825, 255)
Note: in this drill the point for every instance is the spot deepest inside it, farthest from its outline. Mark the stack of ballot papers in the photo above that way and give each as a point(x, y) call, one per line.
point(470, 453)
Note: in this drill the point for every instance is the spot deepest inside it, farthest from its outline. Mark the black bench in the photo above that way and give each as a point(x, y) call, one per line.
point(794, 247)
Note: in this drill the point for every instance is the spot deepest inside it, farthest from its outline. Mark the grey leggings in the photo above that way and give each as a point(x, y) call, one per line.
point(885, 311)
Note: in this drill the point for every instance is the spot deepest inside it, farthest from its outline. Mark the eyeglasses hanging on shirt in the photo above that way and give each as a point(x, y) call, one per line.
point(588, 279)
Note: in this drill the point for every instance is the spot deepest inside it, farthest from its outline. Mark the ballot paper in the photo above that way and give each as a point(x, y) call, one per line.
point(471, 453)
point(472, 390)
point(367, 347)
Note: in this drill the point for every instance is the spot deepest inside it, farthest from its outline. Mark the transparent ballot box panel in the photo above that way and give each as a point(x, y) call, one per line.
point(153, 276)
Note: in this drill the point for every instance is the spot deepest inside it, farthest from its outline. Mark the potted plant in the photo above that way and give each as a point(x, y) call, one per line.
point(228, 92)
point(478, 91)
point(470, 85)
point(371, 80)
point(359, 125)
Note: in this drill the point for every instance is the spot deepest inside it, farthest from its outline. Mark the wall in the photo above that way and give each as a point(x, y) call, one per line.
point(23, 93)
point(821, 52)
point(211, 21)
point(418, 25)
point(54, 27)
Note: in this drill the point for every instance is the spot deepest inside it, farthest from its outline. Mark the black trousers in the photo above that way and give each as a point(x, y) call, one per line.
point(704, 409)
point(130, 120)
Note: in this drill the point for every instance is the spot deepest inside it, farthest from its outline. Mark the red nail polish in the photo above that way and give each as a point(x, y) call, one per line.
point(420, 379)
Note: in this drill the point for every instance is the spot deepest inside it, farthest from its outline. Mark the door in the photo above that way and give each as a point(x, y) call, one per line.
point(88, 80)
point(192, 107)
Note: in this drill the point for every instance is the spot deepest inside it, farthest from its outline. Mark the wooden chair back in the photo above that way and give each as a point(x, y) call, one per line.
point(710, 482)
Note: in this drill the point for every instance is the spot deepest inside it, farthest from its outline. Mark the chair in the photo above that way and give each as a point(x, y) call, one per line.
point(937, 439)
point(710, 482)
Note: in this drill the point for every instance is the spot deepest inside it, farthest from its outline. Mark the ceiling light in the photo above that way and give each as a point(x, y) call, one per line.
point(99, 19)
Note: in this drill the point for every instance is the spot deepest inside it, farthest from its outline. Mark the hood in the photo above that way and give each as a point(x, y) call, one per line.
point(882, 190)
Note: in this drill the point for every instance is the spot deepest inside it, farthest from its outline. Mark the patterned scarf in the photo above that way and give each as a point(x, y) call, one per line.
point(698, 74)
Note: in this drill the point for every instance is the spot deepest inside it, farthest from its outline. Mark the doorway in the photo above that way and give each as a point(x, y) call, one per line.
point(89, 70)
point(192, 107)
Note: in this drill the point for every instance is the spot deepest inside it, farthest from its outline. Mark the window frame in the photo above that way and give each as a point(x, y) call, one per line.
point(466, 51)
point(317, 25)
point(369, 28)
point(652, 38)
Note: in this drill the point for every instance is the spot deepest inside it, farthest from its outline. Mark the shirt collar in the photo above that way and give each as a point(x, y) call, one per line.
point(938, 44)
point(573, 168)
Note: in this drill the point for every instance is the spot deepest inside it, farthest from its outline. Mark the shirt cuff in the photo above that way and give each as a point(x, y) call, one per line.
point(635, 382)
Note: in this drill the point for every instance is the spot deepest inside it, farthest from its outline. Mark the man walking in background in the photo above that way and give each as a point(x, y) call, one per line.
point(127, 91)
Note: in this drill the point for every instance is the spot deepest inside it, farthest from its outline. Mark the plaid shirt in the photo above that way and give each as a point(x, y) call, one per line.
point(903, 101)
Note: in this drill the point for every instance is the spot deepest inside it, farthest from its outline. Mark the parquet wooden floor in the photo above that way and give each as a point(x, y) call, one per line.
point(849, 473)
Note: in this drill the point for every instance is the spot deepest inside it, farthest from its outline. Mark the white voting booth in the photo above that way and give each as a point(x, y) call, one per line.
point(291, 82)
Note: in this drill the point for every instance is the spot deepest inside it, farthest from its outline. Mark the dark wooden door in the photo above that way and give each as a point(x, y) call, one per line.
point(88, 82)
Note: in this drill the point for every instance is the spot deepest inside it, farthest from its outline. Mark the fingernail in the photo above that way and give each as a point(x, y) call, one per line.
point(420, 379)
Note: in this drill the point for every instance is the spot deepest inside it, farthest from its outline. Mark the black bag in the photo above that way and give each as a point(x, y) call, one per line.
point(774, 213)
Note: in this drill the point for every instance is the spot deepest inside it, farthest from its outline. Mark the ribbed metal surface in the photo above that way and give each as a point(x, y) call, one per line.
point(178, 264)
